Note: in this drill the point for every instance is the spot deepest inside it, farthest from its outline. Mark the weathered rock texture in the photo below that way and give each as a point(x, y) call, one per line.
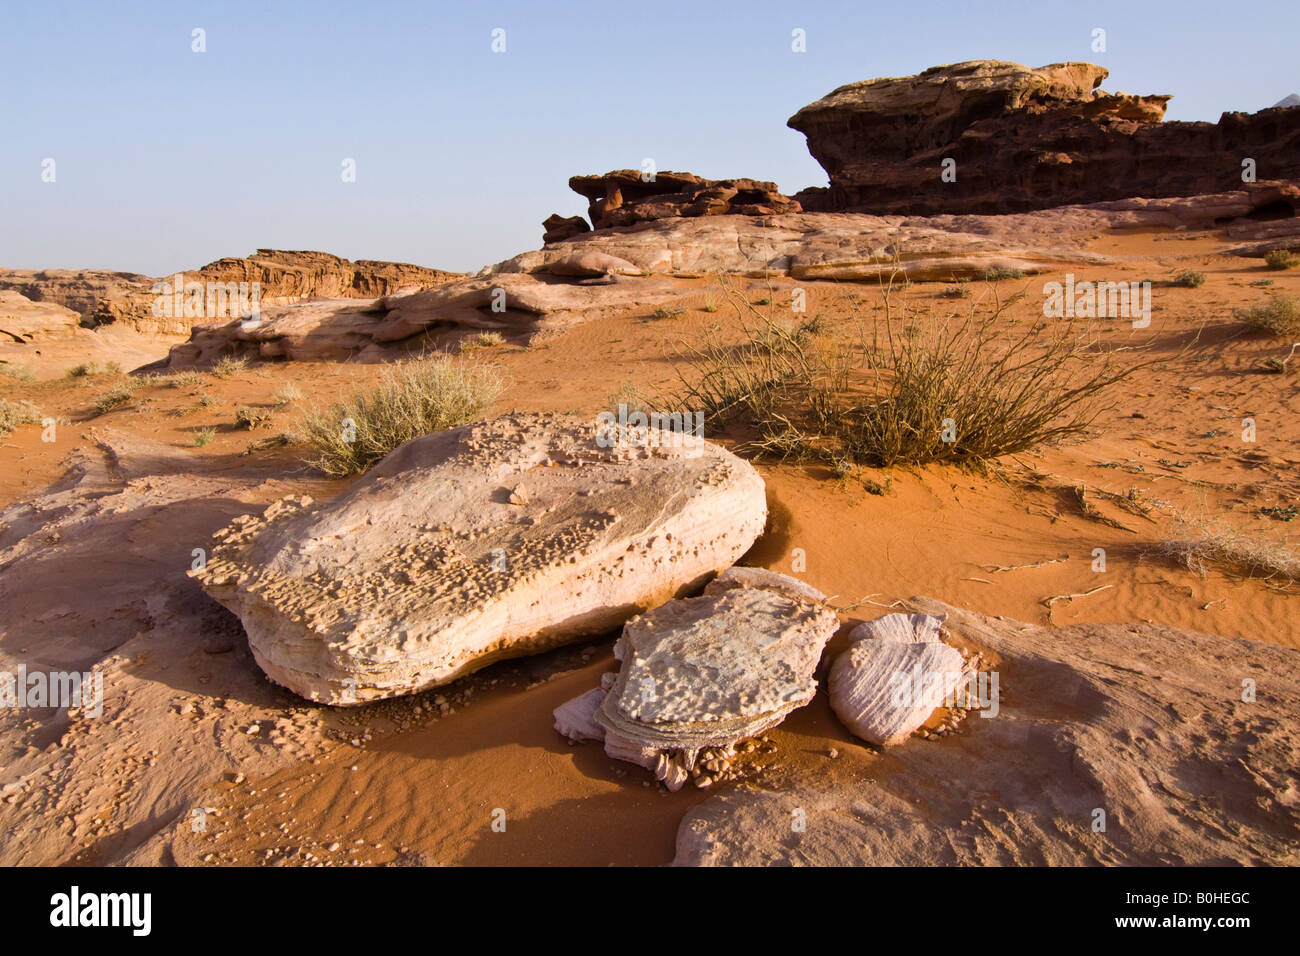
point(706, 672)
point(80, 290)
point(1143, 722)
point(559, 227)
point(23, 321)
point(885, 685)
point(622, 197)
point(484, 542)
point(1025, 139)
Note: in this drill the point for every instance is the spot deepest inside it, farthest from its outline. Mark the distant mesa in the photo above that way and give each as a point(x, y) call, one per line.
point(1024, 139)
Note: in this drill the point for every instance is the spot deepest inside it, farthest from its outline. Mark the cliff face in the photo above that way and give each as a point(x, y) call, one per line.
point(622, 197)
point(1024, 139)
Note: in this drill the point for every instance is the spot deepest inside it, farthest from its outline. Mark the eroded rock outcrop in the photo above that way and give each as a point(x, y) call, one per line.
point(1144, 723)
point(23, 321)
point(623, 197)
point(1024, 139)
point(488, 541)
point(705, 673)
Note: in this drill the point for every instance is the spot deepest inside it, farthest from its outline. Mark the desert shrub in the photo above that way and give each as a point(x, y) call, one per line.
point(958, 290)
point(287, 394)
point(666, 313)
point(203, 436)
point(251, 418)
point(1279, 316)
point(907, 392)
point(13, 414)
point(1189, 279)
point(410, 400)
point(116, 397)
point(996, 273)
point(1282, 259)
point(20, 373)
point(631, 397)
point(186, 379)
point(94, 368)
point(484, 340)
point(1202, 543)
point(229, 365)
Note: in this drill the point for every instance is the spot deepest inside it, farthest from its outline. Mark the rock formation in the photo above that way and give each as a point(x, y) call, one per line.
point(1025, 139)
point(559, 228)
point(80, 290)
point(23, 321)
point(1142, 722)
point(896, 671)
point(483, 542)
point(623, 197)
point(705, 673)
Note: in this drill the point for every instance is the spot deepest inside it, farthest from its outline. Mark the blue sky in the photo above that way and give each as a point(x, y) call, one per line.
point(167, 159)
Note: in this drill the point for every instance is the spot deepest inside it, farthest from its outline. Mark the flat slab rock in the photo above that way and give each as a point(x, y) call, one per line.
point(707, 672)
point(487, 541)
point(1143, 722)
point(894, 674)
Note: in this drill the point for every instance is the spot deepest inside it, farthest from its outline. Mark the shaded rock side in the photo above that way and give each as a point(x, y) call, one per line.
point(1024, 139)
point(623, 197)
point(488, 541)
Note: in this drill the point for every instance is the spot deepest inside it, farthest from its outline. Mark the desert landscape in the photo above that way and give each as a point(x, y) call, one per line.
point(941, 515)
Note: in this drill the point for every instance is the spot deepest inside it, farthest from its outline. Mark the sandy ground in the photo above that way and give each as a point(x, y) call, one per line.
point(418, 780)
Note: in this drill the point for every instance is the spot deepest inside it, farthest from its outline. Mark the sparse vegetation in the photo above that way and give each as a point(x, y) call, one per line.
point(996, 274)
point(19, 373)
point(116, 397)
point(666, 313)
point(287, 394)
point(1279, 317)
point(630, 396)
point(229, 365)
point(1282, 259)
point(13, 414)
point(1201, 544)
point(484, 340)
point(410, 400)
point(1189, 279)
point(187, 379)
point(251, 418)
point(86, 369)
point(208, 400)
point(958, 290)
point(202, 437)
point(908, 391)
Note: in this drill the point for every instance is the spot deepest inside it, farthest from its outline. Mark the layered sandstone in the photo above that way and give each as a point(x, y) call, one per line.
point(627, 196)
point(1024, 139)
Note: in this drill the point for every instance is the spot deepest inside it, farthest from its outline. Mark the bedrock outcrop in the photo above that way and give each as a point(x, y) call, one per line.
point(1118, 744)
point(628, 196)
point(1024, 138)
point(487, 541)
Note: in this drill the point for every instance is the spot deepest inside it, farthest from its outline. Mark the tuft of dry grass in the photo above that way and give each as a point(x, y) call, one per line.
point(13, 414)
point(1279, 317)
point(229, 365)
point(909, 390)
point(251, 418)
point(20, 373)
point(1200, 544)
point(186, 379)
point(118, 396)
point(484, 340)
point(202, 437)
point(287, 393)
point(1189, 279)
point(86, 369)
point(411, 400)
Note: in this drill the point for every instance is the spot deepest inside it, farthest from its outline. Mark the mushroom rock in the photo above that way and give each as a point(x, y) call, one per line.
point(893, 675)
point(434, 564)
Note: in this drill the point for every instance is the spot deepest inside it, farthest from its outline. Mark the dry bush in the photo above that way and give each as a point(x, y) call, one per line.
point(20, 373)
point(1202, 543)
point(94, 368)
point(910, 389)
point(117, 396)
point(1281, 316)
point(287, 394)
point(484, 340)
point(411, 400)
point(1190, 279)
point(229, 365)
point(13, 414)
point(1282, 259)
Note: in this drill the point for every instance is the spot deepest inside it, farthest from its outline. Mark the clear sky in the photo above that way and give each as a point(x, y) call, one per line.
point(166, 159)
